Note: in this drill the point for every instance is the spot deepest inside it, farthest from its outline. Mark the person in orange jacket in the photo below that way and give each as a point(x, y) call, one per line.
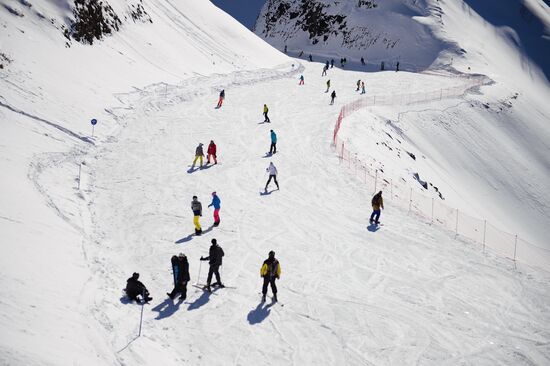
point(270, 271)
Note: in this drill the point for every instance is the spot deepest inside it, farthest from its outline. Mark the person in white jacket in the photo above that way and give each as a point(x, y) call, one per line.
point(272, 175)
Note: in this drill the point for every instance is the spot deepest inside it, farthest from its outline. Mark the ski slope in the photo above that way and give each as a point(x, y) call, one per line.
point(406, 293)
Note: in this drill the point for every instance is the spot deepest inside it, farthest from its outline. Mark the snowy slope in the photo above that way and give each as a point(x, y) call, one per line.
point(405, 293)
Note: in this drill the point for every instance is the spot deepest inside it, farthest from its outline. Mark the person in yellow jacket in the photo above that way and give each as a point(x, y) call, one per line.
point(266, 118)
point(270, 271)
point(377, 204)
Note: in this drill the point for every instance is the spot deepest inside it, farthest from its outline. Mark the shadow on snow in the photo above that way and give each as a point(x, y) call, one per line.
point(258, 315)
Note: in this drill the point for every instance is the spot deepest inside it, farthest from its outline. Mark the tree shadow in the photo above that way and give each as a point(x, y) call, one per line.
point(166, 308)
point(258, 315)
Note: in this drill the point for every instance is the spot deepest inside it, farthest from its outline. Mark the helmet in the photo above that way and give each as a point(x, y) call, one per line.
point(181, 255)
point(194, 197)
point(135, 275)
point(213, 241)
point(271, 254)
point(214, 193)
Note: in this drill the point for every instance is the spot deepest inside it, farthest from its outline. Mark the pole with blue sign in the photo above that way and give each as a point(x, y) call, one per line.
point(94, 122)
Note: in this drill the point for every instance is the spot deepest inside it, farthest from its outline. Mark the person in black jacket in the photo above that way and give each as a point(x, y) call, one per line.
point(270, 271)
point(135, 288)
point(180, 268)
point(214, 259)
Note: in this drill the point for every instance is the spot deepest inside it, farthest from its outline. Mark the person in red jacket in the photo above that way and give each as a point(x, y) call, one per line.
point(211, 152)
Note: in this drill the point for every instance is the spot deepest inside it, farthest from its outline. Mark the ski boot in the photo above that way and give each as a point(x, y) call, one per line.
point(263, 298)
point(274, 297)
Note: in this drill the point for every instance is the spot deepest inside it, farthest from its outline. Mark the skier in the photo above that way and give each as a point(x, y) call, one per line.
point(135, 288)
point(326, 64)
point(332, 97)
point(273, 147)
point(301, 80)
point(285, 48)
point(324, 71)
point(328, 85)
point(214, 259)
point(358, 85)
point(180, 270)
point(212, 152)
point(397, 67)
point(362, 87)
point(310, 58)
point(216, 203)
point(362, 61)
point(270, 271)
point(345, 61)
point(272, 175)
point(342, 62)
point(222, 97)
point(382, 66)
point(266, 118)
point(199, 154)
point(377, 204)
point(196, 206)
point(331, 63)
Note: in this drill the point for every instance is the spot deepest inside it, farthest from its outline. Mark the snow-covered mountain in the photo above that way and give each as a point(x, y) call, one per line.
point(80, 211)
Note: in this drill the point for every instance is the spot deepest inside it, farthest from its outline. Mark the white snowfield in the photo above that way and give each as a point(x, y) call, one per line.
point(407, 292)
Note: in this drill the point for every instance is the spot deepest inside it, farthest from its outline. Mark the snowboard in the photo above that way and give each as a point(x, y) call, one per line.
point(175, 269)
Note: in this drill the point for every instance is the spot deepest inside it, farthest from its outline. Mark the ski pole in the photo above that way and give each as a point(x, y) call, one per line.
point(141, 317)
point(199, 276)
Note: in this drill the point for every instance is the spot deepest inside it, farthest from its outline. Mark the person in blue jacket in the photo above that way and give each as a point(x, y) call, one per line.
point(273, 148)
point(216, 202)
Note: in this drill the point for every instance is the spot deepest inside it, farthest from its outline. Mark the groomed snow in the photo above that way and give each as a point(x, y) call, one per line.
point(407, 293)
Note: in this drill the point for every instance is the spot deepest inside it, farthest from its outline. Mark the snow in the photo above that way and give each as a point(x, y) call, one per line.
point(406, 293)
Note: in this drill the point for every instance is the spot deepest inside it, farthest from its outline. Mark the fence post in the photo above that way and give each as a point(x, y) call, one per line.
point(375, 179)
point(456, 227)
point(432, 210)
point(484, 233)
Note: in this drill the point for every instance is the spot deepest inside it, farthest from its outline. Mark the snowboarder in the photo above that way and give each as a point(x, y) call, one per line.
point(310, 58)
point(220, 100)
point(199, 154)
point(180, 270)
point(397, 67)
point(216, 203)
point(196, 207)
point(358, 85)
point(328, 85)
point(362, 61)
point(266, 118)
point(331, 63)
point(270, 271)
point(273, 147)
point(324, 71)
point(214, 259)
point(332, 97)
point(272, 175)
point(377, 204)
point(363, 87)
point(135, 288)
point(212, 153)
point(301, 80)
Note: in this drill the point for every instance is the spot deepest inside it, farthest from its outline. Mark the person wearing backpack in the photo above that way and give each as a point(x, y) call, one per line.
point(270, 271)
point(196, 207)
point(377, 204)
point(215, 255)
point(180, 270)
